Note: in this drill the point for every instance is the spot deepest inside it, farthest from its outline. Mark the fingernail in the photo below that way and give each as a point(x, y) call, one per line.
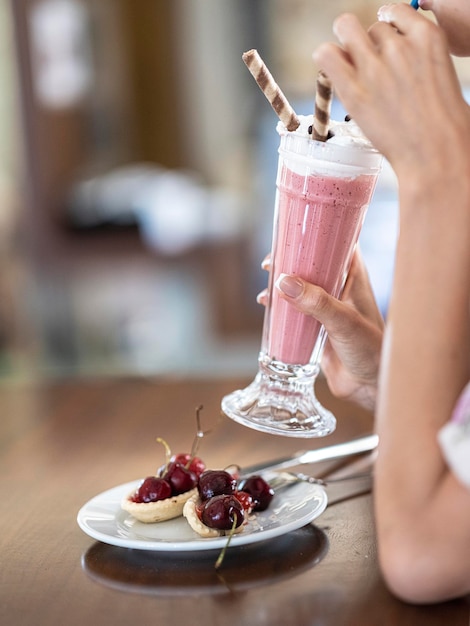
point(266, 262)
point(334, 27)
point(383, 14)
point(289, 285)
point(261, 296)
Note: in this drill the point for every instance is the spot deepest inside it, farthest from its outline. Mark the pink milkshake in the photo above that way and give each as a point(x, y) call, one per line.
point(319, 218)
point(323, 191)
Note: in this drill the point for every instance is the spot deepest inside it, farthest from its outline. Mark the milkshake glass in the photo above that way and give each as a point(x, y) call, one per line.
point(323, 192)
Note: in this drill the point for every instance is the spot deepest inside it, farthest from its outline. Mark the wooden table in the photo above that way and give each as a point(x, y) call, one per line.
point(61, 443)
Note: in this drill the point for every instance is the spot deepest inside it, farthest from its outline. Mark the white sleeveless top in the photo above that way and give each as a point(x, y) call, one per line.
point(454, 438)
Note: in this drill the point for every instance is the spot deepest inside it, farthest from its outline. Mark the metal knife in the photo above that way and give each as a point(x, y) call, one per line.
point(305, 457)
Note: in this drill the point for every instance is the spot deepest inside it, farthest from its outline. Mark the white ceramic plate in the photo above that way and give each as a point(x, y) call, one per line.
point(103, 519)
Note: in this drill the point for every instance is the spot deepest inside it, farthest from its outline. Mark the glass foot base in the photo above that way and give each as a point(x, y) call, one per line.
point(280, 406)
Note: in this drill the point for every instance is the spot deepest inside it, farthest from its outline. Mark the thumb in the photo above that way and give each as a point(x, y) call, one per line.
point(314, 301)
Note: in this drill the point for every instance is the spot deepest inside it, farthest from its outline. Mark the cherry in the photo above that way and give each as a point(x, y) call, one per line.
point(180, 478)
point(193, 463)
point(260, 491)
point(152, 489)
point(246, 500)
point(222, 512)
point(214, 483)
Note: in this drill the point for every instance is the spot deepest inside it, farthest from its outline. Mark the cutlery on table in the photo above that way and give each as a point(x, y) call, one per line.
point(360, 445)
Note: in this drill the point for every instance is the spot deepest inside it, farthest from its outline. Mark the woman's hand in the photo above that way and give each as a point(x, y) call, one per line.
point(354, 325)
point(386, 77)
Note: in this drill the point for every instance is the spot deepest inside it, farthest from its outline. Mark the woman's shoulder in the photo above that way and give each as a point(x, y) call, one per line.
point(454, 438)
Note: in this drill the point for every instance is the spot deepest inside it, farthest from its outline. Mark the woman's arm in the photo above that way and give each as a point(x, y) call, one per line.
point(423, 514)
point(399, 84)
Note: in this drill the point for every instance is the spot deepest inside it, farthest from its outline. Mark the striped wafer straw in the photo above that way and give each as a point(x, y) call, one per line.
point(323, 99)
point(271, 89)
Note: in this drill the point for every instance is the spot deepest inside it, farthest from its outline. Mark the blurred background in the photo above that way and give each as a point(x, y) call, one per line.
point(137, 170)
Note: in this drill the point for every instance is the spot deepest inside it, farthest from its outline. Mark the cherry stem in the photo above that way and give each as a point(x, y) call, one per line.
point(167, 450)
point(221, 556)
point(233, 469)
point(199, 433)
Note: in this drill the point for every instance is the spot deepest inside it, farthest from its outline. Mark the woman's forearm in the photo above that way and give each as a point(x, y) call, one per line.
point(425, 361)
point(425, 365)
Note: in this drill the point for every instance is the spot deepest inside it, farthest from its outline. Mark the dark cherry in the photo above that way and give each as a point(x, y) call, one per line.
point(215, 483)
point(180, 478)
point(261, 492)
point(193, 463)
point(152, 489)
point(221, 511)
point(246, 500)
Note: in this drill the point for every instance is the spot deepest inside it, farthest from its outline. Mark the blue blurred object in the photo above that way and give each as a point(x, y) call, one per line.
point(415, 4)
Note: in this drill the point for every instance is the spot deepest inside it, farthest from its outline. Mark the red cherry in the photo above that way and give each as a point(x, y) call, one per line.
point(222, 511)
point(215, 482)
point(182, 457)
point(152, 489)
point(193, 463)
point(245, 500)
point(197, 465)
point(260, 491)
point(180, 478)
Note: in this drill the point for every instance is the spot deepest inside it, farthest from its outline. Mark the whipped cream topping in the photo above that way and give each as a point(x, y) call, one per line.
point(347, 154)
point(344, 133)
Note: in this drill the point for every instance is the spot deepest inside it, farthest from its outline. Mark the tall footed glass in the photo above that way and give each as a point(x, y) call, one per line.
point(323, 192)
